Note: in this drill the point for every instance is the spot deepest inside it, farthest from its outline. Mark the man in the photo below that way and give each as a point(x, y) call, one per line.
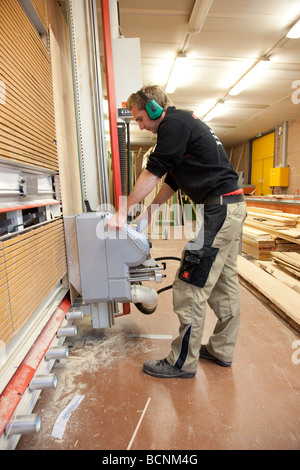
point(194, 160)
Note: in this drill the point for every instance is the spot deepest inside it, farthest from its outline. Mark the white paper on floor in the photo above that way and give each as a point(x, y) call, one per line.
point(150, 336)
point(61, 422)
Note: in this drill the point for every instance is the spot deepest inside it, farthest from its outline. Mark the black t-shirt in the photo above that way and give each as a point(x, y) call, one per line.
point(192, 156)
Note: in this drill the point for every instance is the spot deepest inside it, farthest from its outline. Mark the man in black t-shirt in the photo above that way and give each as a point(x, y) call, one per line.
point(192, 158)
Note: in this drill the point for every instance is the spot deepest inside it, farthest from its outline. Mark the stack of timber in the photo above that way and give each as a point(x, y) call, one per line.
point(285, 267)
point(277, 219)
point(289, 262)
point(267, 231)
point(272, 238)
point(275, 288)
point(257, 243)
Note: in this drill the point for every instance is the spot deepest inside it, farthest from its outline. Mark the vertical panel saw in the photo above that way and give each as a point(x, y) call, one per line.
point(108, 267)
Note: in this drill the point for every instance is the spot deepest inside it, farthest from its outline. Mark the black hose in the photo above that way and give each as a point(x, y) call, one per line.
point(168, 258)
point(164, 288)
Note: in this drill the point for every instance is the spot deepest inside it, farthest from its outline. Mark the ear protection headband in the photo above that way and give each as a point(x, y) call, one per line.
point(154, 110)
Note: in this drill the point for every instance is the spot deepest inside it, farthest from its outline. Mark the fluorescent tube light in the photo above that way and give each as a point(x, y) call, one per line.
point(199, 15)
point(216, 110)
point(250, 77)
point(294, 33)
point(177, 74)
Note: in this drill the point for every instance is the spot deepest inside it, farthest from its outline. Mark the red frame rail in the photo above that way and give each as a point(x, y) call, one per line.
point(12, 394)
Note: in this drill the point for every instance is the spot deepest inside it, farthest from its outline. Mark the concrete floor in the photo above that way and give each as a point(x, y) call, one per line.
point(255, 404)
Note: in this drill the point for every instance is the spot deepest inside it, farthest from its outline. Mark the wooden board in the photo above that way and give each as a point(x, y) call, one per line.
point(272, 219)
point(276, 271)
point(283, 297)
point(257, 243)
point(289, 261)
point(271, 230)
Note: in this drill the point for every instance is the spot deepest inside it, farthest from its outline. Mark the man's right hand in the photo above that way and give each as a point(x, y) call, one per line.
point(117, 221)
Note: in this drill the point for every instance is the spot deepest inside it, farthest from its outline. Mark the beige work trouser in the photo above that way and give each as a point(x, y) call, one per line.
point(221, 291)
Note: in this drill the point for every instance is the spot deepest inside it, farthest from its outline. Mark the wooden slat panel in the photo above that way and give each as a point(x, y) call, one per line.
point(35, 262)
point(26, 68)
point(24, 154)
point(39, 284)
point(31, 302)
point(36, 162)
point(29, 86)
point(6, 325)
point(26, 247)
point(26, 71)
point(16, 285)
point(18, 128)
point(23, 25)
point(41, 8)
point(26, 300)
point(26, 111)
point(18, 87)
point(12, 242)
point(19, 271)
point(19, 268)
point(32, 64)
point(31, 250)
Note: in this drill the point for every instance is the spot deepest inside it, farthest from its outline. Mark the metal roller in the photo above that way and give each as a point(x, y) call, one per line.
point(27, 424)
point(43, 382)
point(67, 332)
point(57, 353)
point(74, 315)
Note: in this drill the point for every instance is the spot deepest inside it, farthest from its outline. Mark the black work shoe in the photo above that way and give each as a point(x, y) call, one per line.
point(164, 370)
point(204, 354)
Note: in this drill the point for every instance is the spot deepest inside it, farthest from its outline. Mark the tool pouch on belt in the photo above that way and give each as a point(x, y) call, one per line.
point(195, 266)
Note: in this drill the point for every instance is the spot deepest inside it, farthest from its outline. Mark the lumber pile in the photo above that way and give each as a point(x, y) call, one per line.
point(282, 275)
point(289, 262)
point(279, 290)
point(267, 231)
point(257, 243)
point(272, 238)
point(276, 218)
point(272, 219)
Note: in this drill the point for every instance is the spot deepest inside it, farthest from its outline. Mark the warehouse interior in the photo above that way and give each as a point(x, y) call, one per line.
point(75, 327)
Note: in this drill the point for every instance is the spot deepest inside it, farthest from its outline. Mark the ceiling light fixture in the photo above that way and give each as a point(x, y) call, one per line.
point(215, 111)
point(250, 76)
point(198, 15)
point(177, 73)
point(196, 21)
point(294, 32)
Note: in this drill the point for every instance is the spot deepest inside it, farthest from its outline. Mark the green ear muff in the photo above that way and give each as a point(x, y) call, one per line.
point(153, 109)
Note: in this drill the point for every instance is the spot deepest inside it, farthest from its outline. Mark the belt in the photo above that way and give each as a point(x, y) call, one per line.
point(224, 199)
